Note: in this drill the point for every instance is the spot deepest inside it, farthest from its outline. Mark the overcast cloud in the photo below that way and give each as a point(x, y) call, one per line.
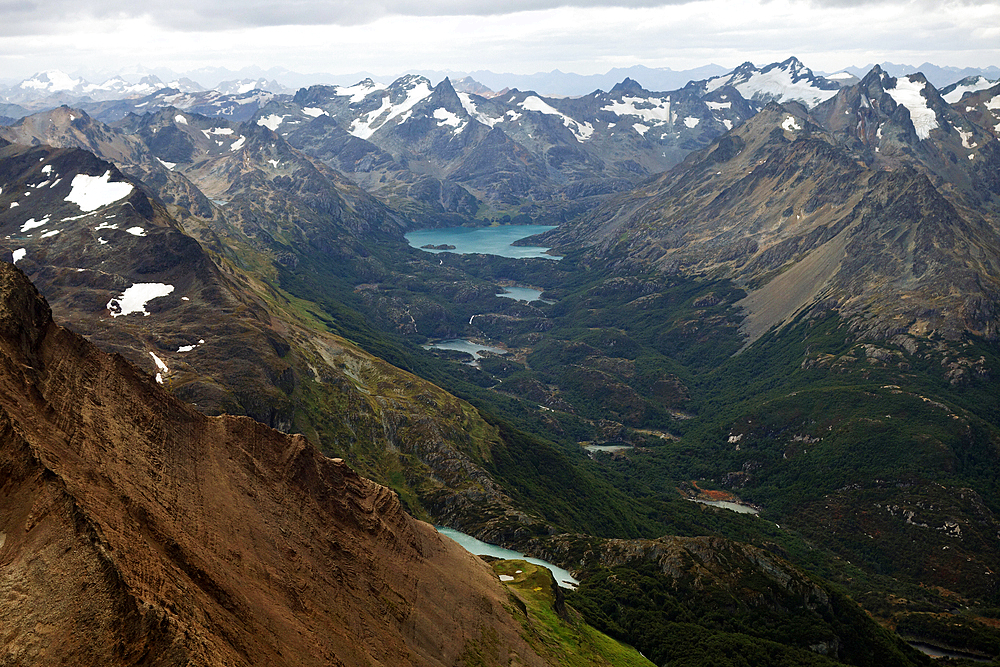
point(522, 36)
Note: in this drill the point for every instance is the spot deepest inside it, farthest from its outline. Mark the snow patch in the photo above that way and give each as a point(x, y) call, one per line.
point(180, 120)
point(47, 169)
point(168, 165)
point(50, 234)
point(445, 117)
point(218, 130)
point(160, 365)
point(582, 131)
point(19, 254)
point(136, 231)
point(473, 111)
point(640, 128)
point(790, 124)
point(965, 138)
point(315, 112)
point(238, 144)
point(691, 121)
point(271, 122)
point(907, 93)
point(14, 204)
point(92, 192)
point(715, 106)
point(274, 163)
point(135, 298)
point(34, 224)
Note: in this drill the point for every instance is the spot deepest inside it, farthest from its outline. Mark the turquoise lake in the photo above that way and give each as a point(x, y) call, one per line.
point(484, 240)
point(522, 294)
point(479, 548)
point(462, 345)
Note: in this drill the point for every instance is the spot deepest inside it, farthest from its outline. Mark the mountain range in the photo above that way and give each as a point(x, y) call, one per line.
point(775, 288)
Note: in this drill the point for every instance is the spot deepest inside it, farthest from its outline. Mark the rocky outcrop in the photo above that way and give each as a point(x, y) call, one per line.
point(135, 530)
point(884, 222)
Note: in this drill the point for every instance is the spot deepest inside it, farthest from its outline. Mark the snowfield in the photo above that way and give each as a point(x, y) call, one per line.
point(92, 192)
point(980, 83)
point(365, 126)
point(908, 94)
point(135, 298)
point(653, 110)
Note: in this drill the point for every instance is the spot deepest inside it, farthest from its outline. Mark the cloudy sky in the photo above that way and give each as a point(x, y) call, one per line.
point(520, 36)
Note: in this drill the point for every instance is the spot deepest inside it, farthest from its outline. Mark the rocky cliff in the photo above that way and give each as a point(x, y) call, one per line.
point(135, 530)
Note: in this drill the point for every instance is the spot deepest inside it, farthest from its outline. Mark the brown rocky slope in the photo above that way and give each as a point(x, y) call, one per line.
point(136, 531)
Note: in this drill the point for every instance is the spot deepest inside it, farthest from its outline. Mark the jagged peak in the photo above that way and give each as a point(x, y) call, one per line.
point(878, 77)
point(628, 85)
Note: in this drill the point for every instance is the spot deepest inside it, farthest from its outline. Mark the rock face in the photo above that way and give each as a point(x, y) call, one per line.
point(134, 530)
point(884, 211)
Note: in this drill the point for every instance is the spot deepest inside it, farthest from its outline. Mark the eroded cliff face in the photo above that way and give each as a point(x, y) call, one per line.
point(135, 530)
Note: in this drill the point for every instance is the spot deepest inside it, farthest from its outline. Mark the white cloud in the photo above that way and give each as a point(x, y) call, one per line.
point(524, 36)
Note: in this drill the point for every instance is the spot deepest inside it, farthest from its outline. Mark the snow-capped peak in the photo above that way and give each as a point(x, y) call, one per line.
point(358, 91)
point(51, 81)
point(778, 82)
point(956, 91)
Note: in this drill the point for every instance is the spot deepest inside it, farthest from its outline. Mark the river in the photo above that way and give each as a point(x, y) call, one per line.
point(474, 546)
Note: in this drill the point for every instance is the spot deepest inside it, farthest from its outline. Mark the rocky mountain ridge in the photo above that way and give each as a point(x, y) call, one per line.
point(125, 273)
point(137, 531)
point(797, 205)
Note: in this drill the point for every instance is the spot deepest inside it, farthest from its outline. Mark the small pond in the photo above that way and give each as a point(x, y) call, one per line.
point(725, 504)
point(474, 546)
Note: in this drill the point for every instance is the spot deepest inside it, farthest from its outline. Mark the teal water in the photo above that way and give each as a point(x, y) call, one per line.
point(521, 294)
point(484, 240)
point(474, 546)
point(462, 345)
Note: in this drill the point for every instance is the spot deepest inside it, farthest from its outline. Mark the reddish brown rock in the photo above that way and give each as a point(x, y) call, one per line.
point(134, 530)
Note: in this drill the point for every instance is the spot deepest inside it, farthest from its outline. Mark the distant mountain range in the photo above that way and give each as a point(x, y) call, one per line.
point(131, 82)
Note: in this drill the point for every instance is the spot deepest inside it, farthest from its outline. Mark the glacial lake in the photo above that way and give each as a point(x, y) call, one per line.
point(522, 294)
point(474, 546)
point(462, 345)
point(484, 240)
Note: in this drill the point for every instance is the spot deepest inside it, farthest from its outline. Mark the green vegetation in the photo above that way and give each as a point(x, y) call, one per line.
point(836, 438)
point(556, 631)
point(686, 622)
